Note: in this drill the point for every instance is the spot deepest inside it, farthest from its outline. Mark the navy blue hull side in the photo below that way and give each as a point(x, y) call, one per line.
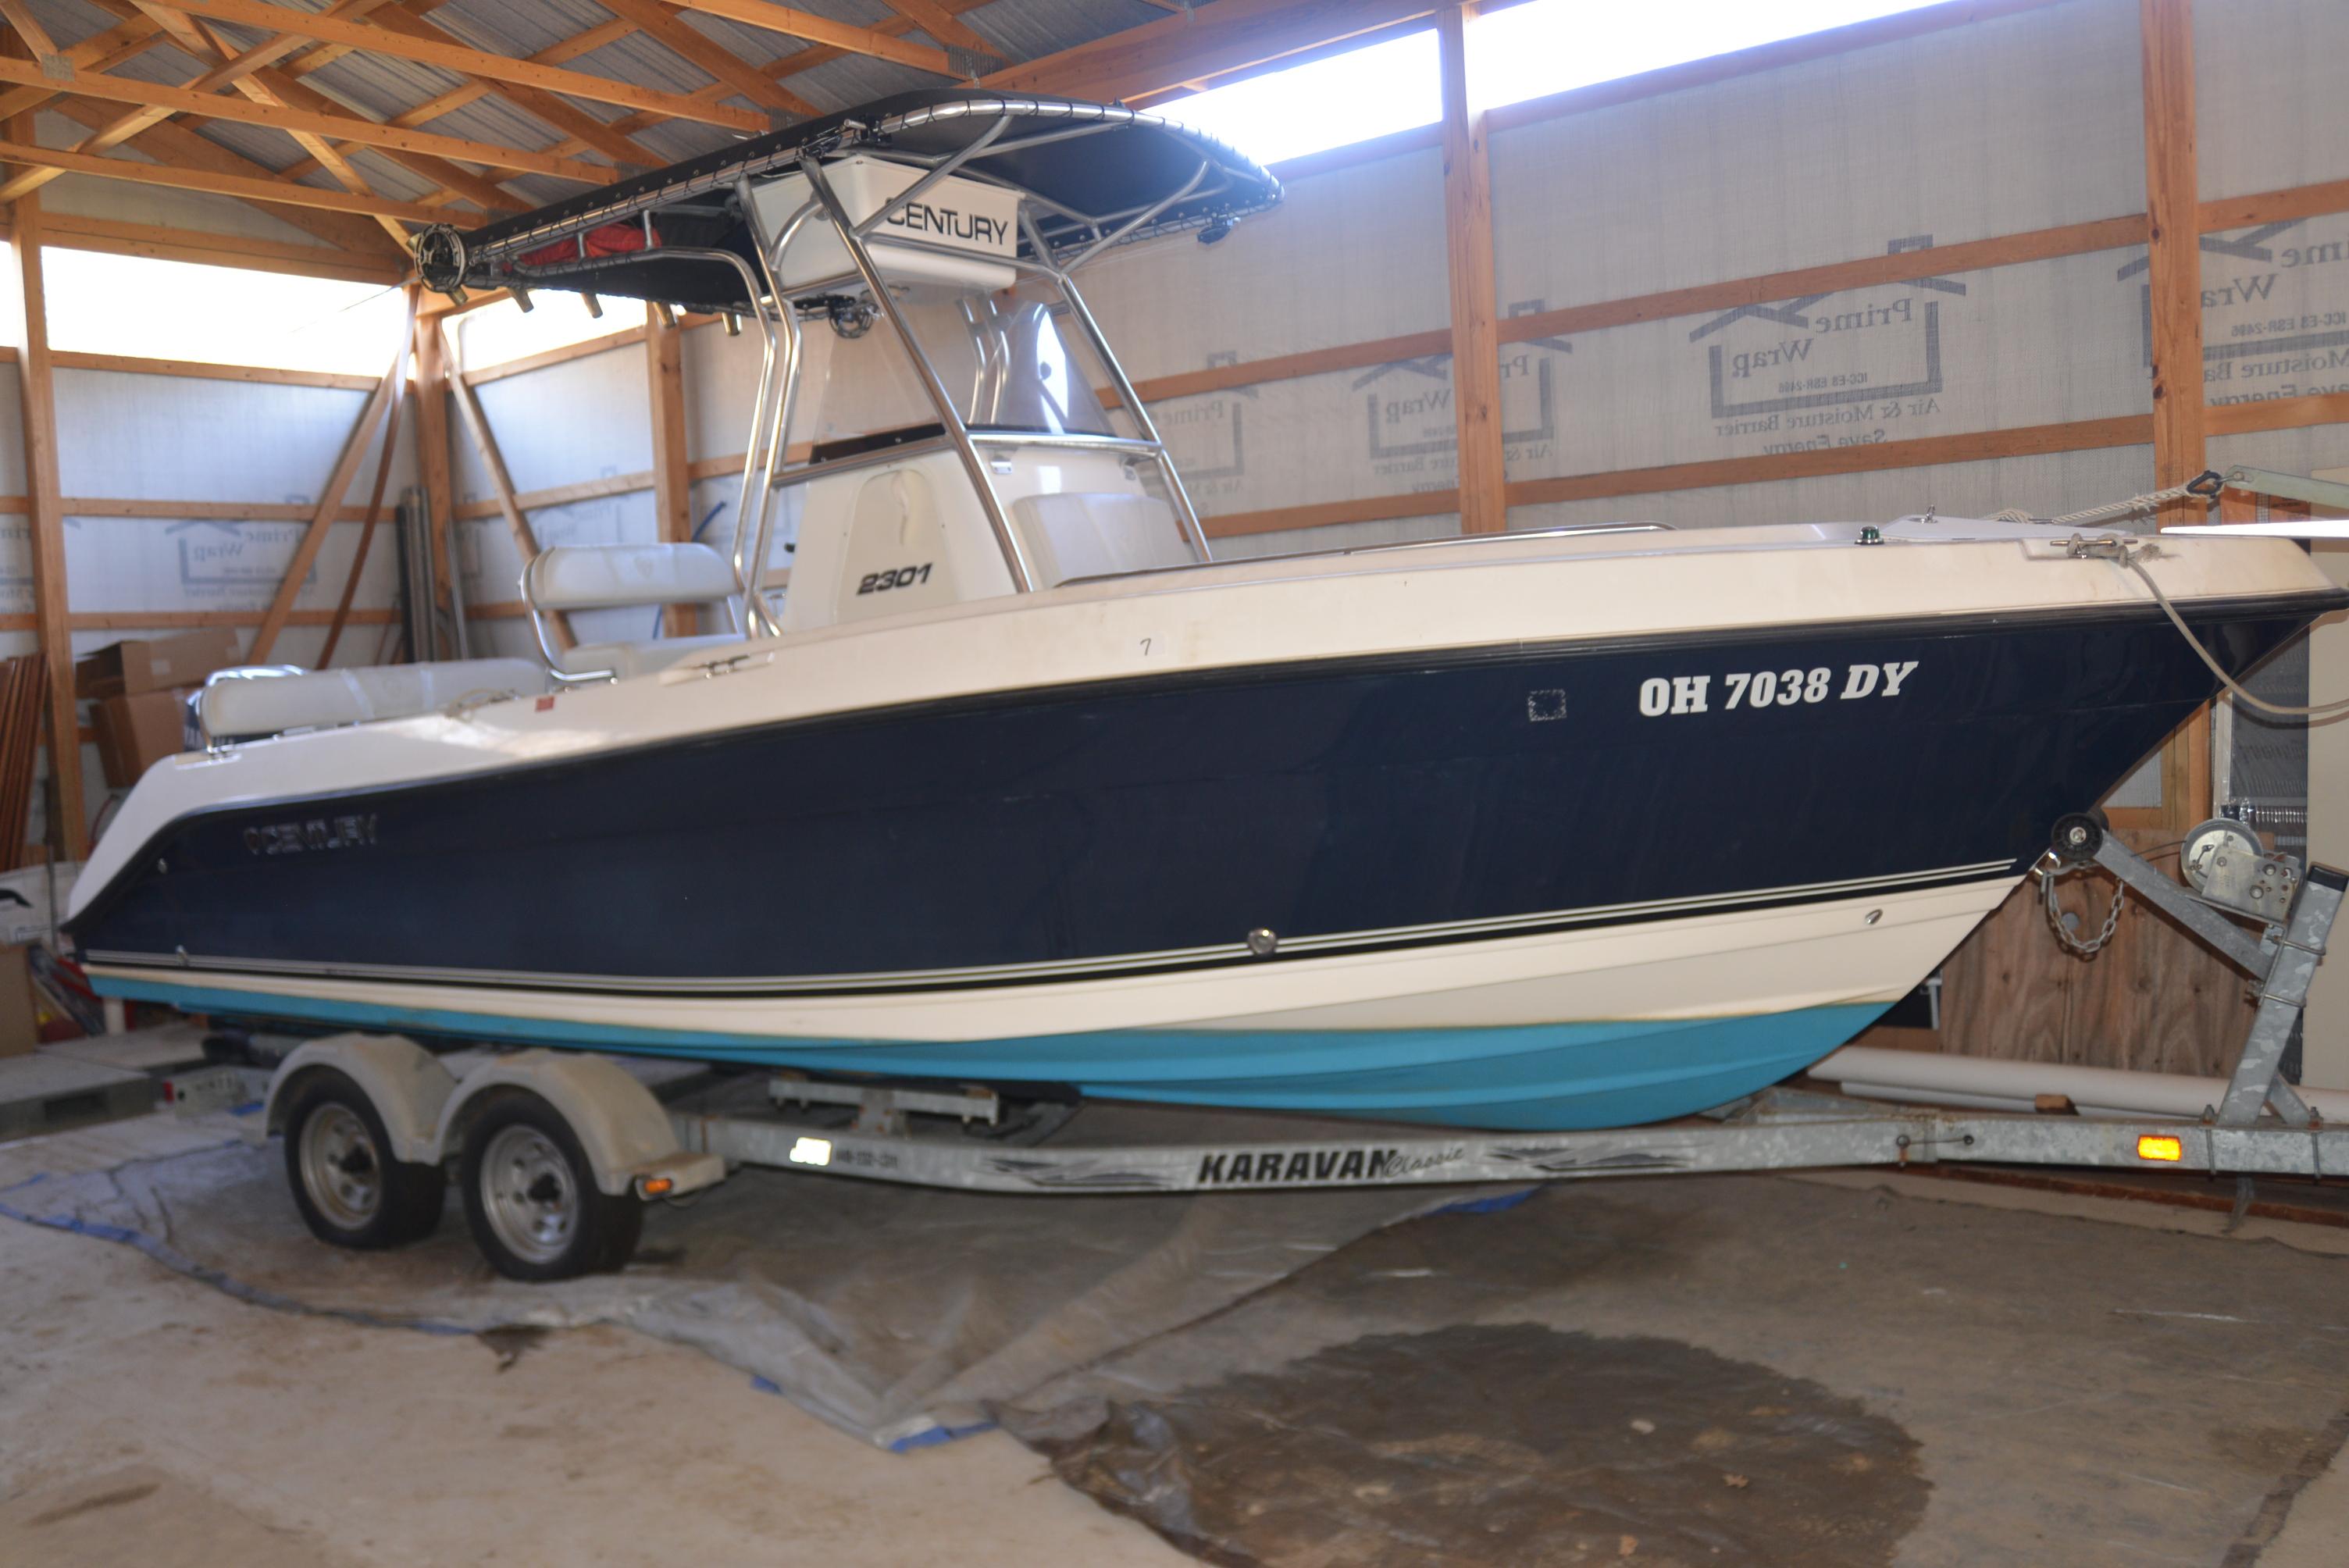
point(1142, 816)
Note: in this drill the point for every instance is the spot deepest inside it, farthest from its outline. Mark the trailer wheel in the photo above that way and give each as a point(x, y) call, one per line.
point(531, 1196)
point(350, 1188)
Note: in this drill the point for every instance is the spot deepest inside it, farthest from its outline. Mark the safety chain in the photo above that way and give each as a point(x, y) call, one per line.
point(2086, 949)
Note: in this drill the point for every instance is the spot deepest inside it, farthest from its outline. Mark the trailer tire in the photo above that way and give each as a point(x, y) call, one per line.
point(350, 1188)
point(530, 1197)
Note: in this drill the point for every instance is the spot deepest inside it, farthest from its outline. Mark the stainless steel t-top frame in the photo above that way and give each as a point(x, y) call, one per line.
point(766, 470)
point(1107, 229)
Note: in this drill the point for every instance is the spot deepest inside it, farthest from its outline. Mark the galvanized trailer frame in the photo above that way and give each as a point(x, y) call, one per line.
point(2260, 1126)
point(631, 1148)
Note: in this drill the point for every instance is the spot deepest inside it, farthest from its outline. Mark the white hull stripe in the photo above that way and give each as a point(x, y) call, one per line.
point(1067, 968)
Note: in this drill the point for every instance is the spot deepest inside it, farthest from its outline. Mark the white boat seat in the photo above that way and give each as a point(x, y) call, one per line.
point(1098, 533)
point(626, 659)
point(246, 704)
point(614, 576)
point(618, 577)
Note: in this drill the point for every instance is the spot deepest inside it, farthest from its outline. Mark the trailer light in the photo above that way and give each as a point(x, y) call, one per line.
point(656, 1186)
point(2151, 1146)
point(812, 1151)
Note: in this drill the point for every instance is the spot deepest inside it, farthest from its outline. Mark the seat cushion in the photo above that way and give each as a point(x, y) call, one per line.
point(242, 707)
point(626, 659)
point(611, 577)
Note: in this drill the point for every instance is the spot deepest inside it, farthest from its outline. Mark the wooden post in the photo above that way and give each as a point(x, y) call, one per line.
point(2174, 281)
point(45, 513)
point(477, 424)
point(1468, 247)
point(373, 517)
point(330, 504)
point(672, 478)
point(432, 456)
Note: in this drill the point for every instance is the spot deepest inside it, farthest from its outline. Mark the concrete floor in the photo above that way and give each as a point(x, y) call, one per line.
point(147, 1418)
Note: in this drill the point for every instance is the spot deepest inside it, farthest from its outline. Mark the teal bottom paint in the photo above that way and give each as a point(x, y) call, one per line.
point(1534, 1078)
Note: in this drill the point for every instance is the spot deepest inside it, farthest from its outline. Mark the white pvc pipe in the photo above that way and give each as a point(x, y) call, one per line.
point(1874, 1073)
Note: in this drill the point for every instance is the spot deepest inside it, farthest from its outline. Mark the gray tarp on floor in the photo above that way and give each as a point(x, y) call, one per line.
point(893, 1313)
point(1702, 1372)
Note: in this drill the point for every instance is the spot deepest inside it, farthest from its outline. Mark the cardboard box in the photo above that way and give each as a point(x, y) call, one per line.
point(134, 733)
point(20, 1028)
point(129, 668)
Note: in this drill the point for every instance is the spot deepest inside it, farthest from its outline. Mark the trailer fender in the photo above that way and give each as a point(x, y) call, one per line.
point(621, 1127)
point(407, 1085)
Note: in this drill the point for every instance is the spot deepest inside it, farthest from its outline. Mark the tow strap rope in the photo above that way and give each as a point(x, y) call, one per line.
point(2134, 554)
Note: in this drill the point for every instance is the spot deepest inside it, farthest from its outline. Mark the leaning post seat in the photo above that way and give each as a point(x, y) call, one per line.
point(253, 701)
point(625, 576)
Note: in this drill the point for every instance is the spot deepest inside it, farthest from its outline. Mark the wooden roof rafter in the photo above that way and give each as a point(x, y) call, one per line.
point(582, 132)
point(207, 43)
point(124, 126)
point(171, 143)
point(799, 60)
point(161, 102)
point(464, 59)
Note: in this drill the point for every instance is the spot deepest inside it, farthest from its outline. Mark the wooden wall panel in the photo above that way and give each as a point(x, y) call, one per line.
point(2154, 1000)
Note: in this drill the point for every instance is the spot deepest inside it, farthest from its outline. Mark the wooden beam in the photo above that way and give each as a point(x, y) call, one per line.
point(100, 52)
point(1918, 452)
point(1289, 367)
point(585, 131)
point(2174, 251)
point(1468, 253)
point(672, 487)
point(607, 484)
point(793, 64)
point(37, 409)
point(815, 29)
point(1228, 36)
point(2041, 244)
point(401, 18)
point(37, 42)
point(471, 61)
point(186, 620)
point(178, 177)
point(432, 456)
point(1927, 451)
point(168, 142)
point(382, 479)
point(2274, 206)
point(1868, 271)
point(114, 238)
point(257, 375)
point(562, 355)
point(331, 499)
point(2174, 322)
point(2276, 414)
point(941, 25)
point(1332, 513)
point(576, 490)
point(124, 127)
point(366, 132)
point(672, 32)
point(477, 424)
point(204, 41)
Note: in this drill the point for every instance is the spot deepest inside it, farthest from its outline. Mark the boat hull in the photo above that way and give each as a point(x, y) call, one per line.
point(1675, 1014)
point(1527, 885)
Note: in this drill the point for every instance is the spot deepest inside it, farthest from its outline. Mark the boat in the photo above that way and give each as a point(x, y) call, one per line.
point(1021, 785)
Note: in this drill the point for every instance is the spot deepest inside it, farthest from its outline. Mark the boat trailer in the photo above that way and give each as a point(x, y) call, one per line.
point(626, 1147)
